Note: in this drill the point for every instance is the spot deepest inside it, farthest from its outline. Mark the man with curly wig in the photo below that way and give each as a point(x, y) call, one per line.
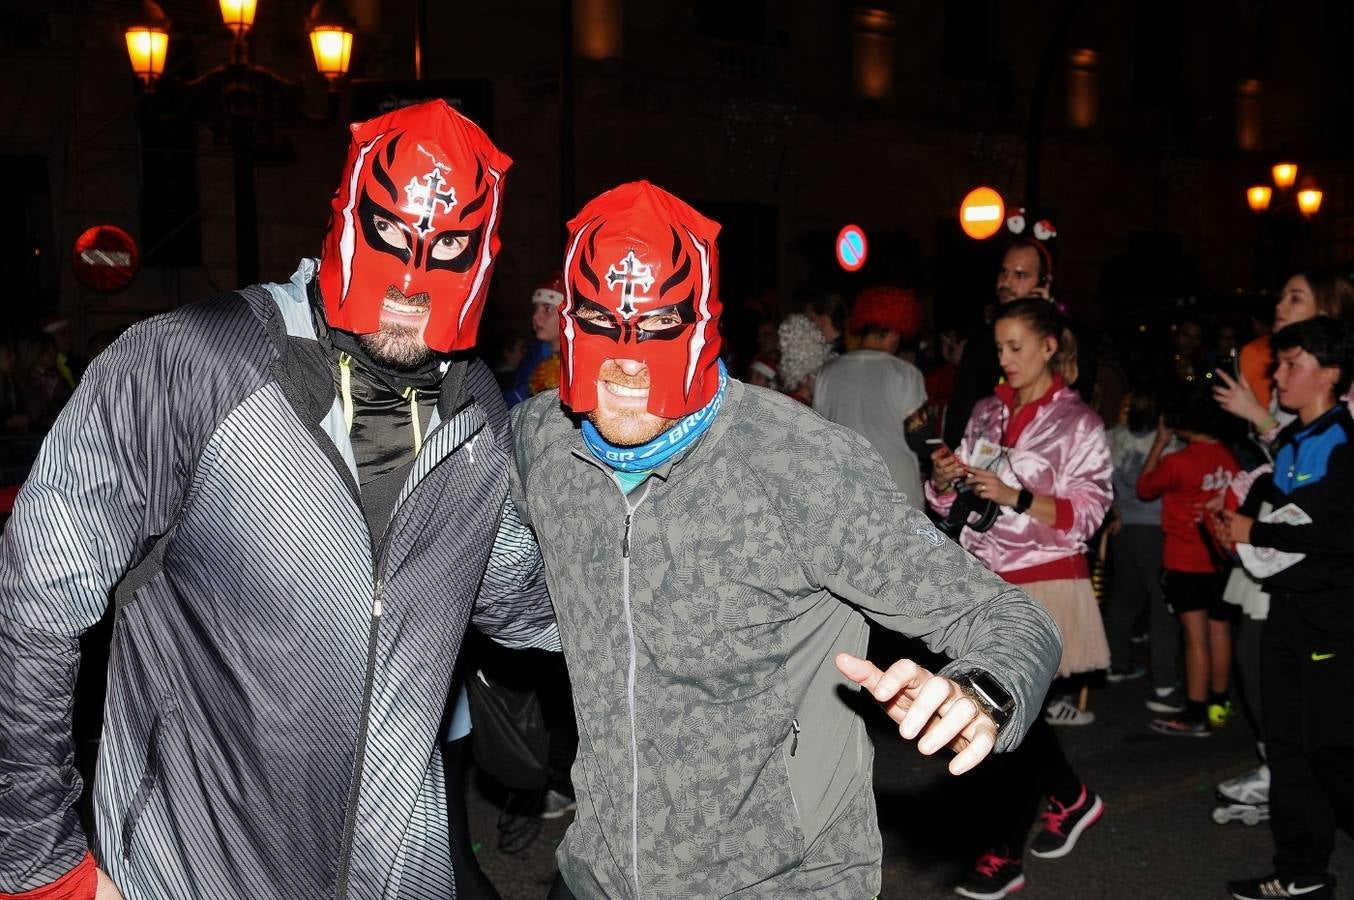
point(872, 391)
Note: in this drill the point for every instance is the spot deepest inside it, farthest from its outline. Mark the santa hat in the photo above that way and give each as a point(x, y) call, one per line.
point(551, 291)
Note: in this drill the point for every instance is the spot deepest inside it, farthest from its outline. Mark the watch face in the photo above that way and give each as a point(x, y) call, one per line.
point(987, 687)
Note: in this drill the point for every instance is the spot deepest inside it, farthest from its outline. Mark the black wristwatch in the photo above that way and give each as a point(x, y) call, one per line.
point(989, 696)
point(1024, 501)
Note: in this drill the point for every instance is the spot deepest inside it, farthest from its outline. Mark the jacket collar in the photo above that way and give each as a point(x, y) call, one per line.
point(1018, 420)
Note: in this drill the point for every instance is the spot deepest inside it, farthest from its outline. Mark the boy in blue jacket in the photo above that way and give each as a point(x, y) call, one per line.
point(1308, 646)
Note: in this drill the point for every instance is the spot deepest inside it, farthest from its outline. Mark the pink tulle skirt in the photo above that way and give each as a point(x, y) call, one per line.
point(1071, 603)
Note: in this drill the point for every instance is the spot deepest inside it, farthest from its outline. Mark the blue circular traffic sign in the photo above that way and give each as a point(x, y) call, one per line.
point(851, 248)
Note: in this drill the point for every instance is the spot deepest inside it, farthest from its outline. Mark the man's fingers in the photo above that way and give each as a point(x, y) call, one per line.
point(979, 746)
point(927, 701)
point(902, 676)
point(944, 730)
point(861, 671)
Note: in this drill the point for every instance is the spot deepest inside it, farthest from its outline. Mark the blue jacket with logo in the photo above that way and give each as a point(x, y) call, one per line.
point(1314, 469)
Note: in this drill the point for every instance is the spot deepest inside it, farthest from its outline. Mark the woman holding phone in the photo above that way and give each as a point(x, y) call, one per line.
point(1040, 453)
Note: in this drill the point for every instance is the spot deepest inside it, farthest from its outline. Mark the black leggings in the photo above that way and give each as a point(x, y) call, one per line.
point(471, 882)
point(1017, 783)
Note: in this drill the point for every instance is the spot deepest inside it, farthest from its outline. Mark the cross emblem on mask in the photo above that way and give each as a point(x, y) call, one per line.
point(424, 195)
point(628, 273)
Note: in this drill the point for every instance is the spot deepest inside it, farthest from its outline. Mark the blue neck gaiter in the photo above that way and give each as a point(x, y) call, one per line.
point(667, 445)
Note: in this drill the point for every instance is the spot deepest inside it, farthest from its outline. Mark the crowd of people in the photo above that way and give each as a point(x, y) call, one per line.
point(298, 499)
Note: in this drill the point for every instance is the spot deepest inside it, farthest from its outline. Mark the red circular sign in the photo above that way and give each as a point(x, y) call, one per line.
point(852, 248)
point(106, 258)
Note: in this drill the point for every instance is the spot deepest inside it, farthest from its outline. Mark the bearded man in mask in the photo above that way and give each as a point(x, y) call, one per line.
point(297, 496)
point(710, 547)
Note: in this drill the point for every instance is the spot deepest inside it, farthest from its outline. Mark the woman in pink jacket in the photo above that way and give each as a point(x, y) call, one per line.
point(1038, 452)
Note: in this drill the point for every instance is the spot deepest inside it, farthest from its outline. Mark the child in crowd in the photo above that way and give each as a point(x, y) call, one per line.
point(1135, 544)
point(1307, 650)
point(1192, 577)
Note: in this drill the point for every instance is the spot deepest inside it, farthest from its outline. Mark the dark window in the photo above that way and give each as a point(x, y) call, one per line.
point(1158, 53)
point(742, 20)
point(968, 50)
point(27, 256)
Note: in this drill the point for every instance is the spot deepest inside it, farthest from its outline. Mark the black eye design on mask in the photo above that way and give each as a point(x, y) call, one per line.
point(383, 230)
point(667, 323)
point(454, 250)
point(664, 324)
point(594, 318)
point(386, 232)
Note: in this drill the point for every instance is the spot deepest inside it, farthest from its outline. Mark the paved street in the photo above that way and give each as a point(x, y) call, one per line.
point(1156, 840)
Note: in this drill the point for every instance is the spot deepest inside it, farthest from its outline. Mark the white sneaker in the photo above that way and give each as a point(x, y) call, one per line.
point(555, 804)
point(1065, 712)
point(1249, 787)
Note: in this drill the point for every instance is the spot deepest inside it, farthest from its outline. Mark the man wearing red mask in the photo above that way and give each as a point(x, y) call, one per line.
point(710, 547)
point(296, 495)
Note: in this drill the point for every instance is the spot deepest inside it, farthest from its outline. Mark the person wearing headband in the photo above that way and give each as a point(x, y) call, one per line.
point(1026, 271)
point(710, 547)
point(296, 497)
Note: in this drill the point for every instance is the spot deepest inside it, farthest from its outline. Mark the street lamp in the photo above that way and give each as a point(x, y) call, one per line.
point(238, 97)
point(147, 42)
point(1282, 216)
point(1284, 173)
point(1258, 196)
point(1307, 199)
point(238, 16)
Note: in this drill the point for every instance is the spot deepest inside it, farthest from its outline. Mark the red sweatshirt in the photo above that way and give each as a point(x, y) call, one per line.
point(1184, 481)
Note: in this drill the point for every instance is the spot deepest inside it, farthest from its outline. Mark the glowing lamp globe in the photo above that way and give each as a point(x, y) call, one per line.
point(1258, 196)
point(1285, 175)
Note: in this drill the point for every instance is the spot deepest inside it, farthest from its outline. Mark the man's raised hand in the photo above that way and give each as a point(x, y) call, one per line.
point(928, 707)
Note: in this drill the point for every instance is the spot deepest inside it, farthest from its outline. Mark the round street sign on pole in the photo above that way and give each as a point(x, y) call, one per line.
point(105, 258)
point(851, 248)
point(981, 213)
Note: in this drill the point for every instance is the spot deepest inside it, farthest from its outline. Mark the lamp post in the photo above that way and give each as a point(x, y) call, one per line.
point(235, 98)
point(1282, 212)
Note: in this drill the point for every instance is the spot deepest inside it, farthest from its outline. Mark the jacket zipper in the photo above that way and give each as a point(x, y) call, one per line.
point(368, 685)
point(630, 684)
point(360, 758)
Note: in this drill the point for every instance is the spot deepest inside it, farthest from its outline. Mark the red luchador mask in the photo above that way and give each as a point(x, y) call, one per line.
point(641, 278)
point(418, 211)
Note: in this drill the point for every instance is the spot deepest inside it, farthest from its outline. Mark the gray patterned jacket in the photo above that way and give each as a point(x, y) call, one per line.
point(277, 672)
point(700, 616)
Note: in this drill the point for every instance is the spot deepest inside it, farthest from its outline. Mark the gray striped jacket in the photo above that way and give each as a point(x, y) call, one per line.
point(277, 671)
